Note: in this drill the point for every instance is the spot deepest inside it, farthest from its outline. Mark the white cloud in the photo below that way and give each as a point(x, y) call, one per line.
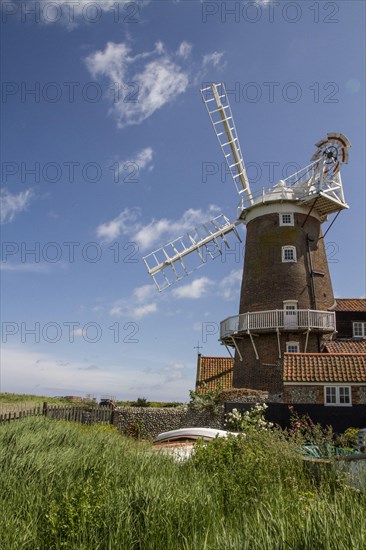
point(28, 371)
point(143, 158)
point(116, 311)
point(197, 289)
point(140, 161)
point(141, 311)
point(146, 81)
point(129, 309)
point(12, 204)
point(143, 293)
point(212, 58)
point(145, 236)
point(149, 80)
point(122, 224)
point(112, 62)
point(229, 286)
point(157, 230)
point(184, 49)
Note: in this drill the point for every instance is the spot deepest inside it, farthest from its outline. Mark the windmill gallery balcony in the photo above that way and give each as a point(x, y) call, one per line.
point(277, 319)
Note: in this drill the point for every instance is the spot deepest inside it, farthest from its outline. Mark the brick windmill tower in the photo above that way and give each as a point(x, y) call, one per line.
point(286, 290)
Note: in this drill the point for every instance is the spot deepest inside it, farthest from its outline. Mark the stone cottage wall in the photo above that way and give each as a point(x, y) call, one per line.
point(301, 394)
point(315, 394)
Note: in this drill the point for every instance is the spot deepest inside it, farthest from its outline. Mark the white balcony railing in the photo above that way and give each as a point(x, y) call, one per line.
point(268, 321)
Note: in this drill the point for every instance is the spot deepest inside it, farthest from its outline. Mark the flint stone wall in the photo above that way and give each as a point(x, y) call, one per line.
point(243, 395)
point(362, 395)
point(302, 395)
point(151, 421)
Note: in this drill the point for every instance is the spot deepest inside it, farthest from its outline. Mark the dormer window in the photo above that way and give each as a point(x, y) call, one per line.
point(287, 219)
point(289, 254)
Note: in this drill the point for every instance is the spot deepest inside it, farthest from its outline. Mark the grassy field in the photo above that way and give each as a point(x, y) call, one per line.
point(15, 402)
point(68, 486)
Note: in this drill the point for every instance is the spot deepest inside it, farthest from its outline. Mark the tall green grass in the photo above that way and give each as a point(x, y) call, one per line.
point(68, 486)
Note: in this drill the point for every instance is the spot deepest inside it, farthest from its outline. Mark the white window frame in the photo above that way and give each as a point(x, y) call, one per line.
point(293, 344)
point(288, 223)
point(362, 331)
point(287, 248)
point(291, 304)
point(337, 391)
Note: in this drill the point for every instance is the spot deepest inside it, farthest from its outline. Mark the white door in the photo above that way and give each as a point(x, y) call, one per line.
point(290, 317)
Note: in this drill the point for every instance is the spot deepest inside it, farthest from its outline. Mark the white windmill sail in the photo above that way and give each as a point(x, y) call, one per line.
point(167, 264)
point(219, 110)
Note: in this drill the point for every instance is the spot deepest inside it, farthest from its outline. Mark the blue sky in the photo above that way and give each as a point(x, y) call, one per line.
point(107, 153)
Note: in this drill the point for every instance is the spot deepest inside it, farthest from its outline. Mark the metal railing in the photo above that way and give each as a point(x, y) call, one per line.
point(267, 321)
point(301, 185)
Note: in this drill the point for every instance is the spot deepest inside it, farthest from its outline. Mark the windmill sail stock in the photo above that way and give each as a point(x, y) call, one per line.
point(318, 186)
point(219, 110)
point(167, 264)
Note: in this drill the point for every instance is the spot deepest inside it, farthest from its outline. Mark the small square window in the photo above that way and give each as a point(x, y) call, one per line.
point(288, 254)
point(287, 219)
point(292, 347)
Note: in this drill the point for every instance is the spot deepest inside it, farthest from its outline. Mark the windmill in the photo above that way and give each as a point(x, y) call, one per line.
point(286, 290)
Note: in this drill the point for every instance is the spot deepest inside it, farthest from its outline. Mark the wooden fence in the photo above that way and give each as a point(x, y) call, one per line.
point(95, 414)
point(18, 413)
point(85, 414)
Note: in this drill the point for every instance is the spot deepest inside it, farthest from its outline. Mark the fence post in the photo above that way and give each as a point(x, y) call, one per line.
point(45, 408)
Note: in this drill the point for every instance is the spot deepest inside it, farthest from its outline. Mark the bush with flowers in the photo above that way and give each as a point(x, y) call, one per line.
point(315, 441)
point(304, 430)
point(248, 421)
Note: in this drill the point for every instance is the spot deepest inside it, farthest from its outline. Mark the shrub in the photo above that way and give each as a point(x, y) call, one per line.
point(248, 421)
point(140, 402)
point(349, 439)
point(204, 399)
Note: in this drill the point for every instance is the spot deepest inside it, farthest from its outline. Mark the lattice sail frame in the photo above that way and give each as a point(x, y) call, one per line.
point(219, 110)
point(166, 264)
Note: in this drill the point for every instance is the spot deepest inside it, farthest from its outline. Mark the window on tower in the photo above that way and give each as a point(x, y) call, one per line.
point(287, 219)
point(288, 254)
point(293, 347)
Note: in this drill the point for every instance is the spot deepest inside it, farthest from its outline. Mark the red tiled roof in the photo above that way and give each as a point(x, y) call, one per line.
point(215, 372)
point(350, 304)
point(346, 346)
point(324, 367)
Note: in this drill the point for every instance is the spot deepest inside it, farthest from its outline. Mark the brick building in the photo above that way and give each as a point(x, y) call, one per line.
point(332, 376)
